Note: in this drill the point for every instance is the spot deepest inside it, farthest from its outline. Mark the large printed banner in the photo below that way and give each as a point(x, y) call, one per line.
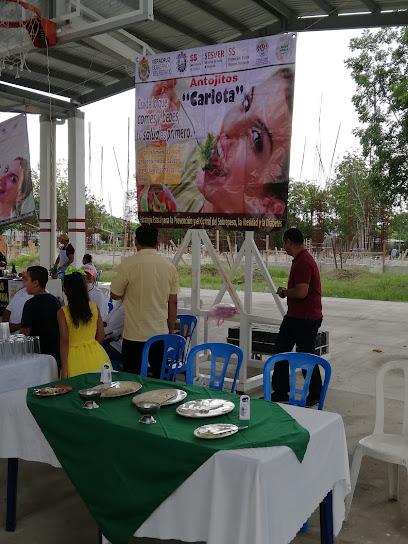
point(213, 130)
point(16, 190)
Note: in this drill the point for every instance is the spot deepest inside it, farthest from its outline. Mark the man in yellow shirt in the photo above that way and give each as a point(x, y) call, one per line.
point(148, 285)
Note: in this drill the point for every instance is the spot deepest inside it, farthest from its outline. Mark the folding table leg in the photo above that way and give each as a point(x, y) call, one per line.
point(12, 473)
point(326, 519)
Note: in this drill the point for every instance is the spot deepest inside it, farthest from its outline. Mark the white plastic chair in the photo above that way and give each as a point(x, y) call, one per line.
point(392, 448)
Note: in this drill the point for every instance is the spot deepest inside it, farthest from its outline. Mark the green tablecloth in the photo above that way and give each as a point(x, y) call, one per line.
point(124, 470)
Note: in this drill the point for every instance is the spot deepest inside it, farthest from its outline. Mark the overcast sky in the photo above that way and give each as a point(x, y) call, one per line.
point(323, 85)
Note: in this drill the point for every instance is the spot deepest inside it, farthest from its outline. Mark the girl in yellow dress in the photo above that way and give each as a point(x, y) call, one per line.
point(81, 329)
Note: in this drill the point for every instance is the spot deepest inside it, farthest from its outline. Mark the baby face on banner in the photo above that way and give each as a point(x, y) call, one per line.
point(11, 181)
point(252, 148)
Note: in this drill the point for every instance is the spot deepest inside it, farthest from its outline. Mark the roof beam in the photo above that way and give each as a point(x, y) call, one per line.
point(332, 22)
point(29, 83)
point(372, 6)
point(278, 10)
point(217, 14)
point(326, 7)
point(78, 28)
point(124, 84)
point(65, 77)
point(114, 48)
point(152, 42)
point(91, 64)
point(36, 103)
point(183, 29)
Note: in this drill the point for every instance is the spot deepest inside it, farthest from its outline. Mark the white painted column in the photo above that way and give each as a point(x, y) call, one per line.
point(76, 185)
point(48, 202)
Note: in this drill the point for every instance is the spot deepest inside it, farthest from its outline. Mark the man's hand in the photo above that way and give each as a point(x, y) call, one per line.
point(281, 292)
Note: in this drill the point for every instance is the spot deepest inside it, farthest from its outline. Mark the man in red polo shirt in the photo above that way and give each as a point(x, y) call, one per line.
point(303, 318)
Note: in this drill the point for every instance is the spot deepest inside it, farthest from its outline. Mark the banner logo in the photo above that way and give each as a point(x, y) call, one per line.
point(262, 47)
point(181, 62)
point(284, 48)
point(144, 69)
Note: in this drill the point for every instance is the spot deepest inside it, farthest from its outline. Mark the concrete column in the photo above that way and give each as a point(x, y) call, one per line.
point(48, 200)
point(76, 184)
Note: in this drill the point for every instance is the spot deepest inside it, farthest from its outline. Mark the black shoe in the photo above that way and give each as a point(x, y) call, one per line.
point(280, 397)
point(310, 402)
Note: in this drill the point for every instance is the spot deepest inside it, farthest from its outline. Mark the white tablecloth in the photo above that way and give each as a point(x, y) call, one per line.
point(35, 370)
point(255, 496)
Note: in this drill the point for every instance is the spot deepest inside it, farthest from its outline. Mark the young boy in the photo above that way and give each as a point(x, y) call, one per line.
point(40, 313)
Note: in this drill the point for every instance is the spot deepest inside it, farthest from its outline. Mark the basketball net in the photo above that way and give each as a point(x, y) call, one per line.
point(21, 28)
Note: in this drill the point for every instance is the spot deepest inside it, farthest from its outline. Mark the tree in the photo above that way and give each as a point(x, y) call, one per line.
point(308, 209)
point(380, 72)
point(357, 213)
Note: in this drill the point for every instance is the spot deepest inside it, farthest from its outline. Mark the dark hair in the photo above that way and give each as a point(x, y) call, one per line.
point(78, 298)
point(39, 273)
point(88, 258)
point(294, 235)
point(147, 236)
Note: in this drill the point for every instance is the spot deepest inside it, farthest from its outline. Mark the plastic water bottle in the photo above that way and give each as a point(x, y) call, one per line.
point(106, 374)
point(245, 408)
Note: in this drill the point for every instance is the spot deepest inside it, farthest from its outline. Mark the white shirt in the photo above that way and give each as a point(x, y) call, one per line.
point(100, 299)
point(16, 305)
point(115, 321)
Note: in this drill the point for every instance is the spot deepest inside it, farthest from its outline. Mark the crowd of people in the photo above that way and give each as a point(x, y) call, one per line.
point(83, 335)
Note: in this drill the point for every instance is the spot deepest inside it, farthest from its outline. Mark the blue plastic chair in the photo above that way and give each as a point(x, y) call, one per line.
point(218, 350)
point(174, 346)
point(304, 361)
point(188, 323)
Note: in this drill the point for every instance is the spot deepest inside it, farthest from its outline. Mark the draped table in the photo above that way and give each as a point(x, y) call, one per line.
point(257, 495)
point(28, 372)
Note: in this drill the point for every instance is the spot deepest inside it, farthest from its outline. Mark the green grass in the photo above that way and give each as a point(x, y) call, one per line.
point(23, 261)
point(355, 284)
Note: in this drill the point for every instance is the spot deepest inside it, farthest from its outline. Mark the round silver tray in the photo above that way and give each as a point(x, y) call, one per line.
point(205, 408)
point(160, 395)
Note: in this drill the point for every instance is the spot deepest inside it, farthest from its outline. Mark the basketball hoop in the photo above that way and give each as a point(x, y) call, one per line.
point(18, 33)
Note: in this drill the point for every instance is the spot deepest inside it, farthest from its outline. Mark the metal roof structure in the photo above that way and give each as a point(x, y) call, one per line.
point(99, 40)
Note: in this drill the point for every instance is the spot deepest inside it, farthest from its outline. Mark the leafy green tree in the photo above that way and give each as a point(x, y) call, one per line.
point(358, 214)
point(399, 224)
point(379, 69)
point(308, 209)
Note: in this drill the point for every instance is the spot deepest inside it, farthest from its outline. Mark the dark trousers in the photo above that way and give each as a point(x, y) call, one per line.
point(302, 333)
point(113, 354)
point(132, 357)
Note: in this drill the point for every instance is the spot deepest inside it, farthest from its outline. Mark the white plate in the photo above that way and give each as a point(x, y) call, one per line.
point(160, 395)
point(215, 430)
point(118, 389)
point(205, 408)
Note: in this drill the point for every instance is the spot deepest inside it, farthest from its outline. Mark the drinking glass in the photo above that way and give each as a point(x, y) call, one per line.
point(37, 346)
point(19, 345)
point(2, 351)
point(30, 345)
point(8, 348)
point(4, 331)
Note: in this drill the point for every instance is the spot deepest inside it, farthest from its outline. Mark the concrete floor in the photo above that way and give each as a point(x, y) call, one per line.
point(50, 510)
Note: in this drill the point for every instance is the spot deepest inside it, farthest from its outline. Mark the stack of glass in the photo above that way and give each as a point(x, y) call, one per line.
point(17, 346)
